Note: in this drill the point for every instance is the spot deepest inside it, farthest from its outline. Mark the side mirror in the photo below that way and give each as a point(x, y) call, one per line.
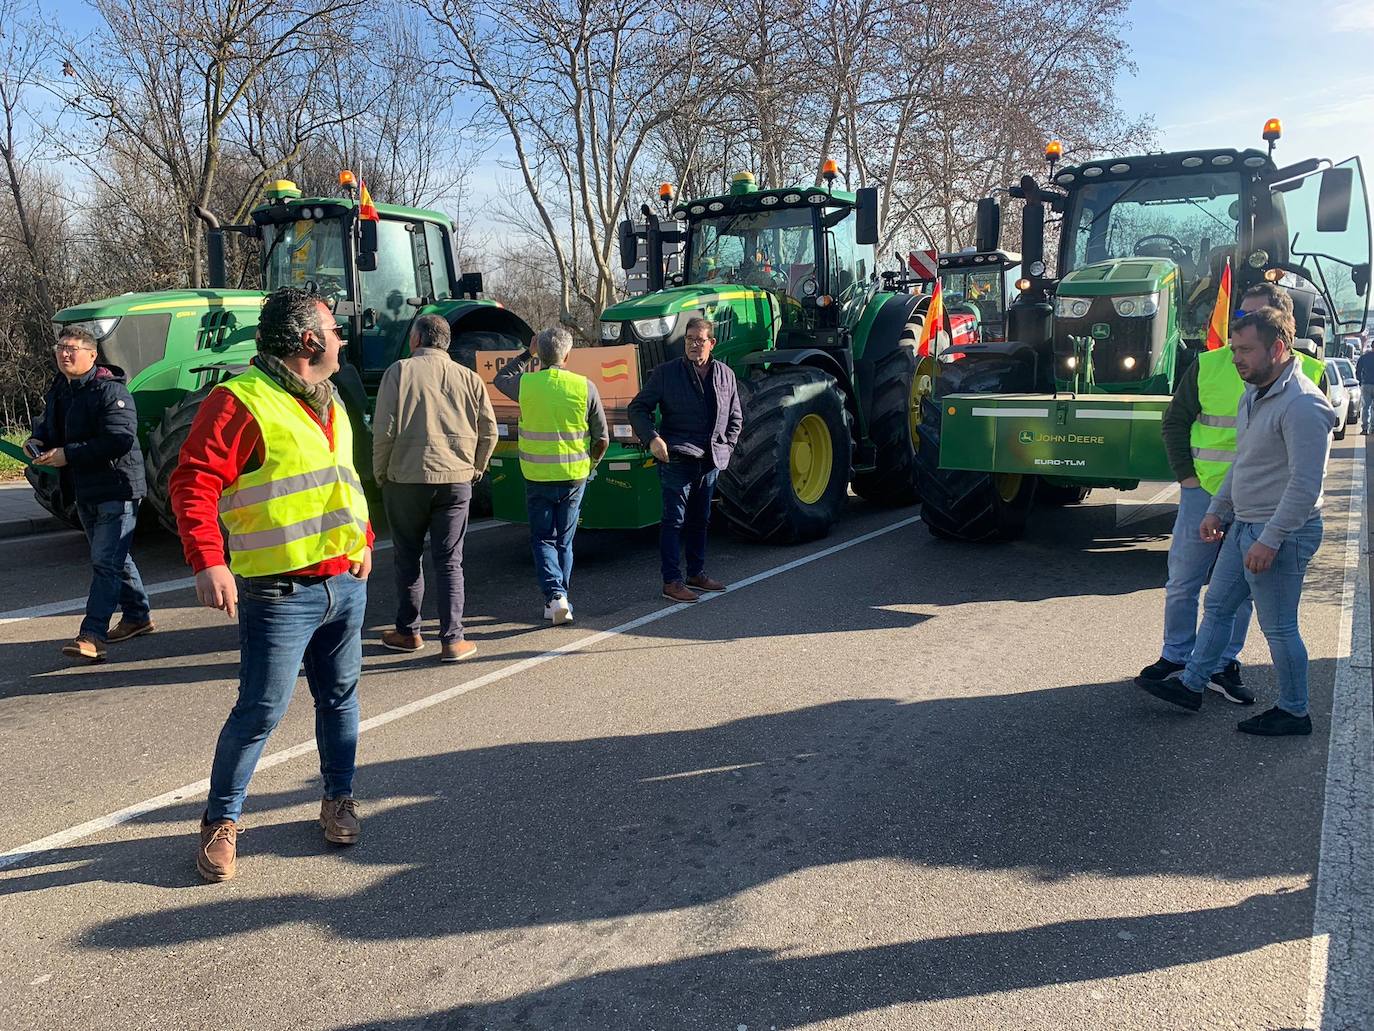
point(470, 284)
point(988, 232)
point(866, 216)
point(1032, 234)
point(629, 249)
point(367, 245)
point(1359, 275)
point(1333, 200)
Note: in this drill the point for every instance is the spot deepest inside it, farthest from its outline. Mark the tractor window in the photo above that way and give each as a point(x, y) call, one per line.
point(771, 249)
point(440, 274)
point(306, 253)
point(1331, 256)
point(851, 264)
point(385, 291)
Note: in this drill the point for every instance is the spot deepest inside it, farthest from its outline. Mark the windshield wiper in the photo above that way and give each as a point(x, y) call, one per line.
point(1120, 197)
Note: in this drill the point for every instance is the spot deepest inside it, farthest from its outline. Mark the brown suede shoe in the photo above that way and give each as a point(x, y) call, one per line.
point(218, 855)
point(124, 629)
point(704, 583)
point(84, 647)
point(457, 651)
point(400, 642)
point(675, 591)
point(339, 818)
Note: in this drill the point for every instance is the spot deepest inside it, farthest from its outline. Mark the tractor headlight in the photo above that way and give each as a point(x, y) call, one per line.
point(610, 331)
point(1072, 307)
point(98, 328)
point(1138, 306)
point(655, 329)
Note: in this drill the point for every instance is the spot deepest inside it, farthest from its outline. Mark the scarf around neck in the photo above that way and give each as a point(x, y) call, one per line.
point(317, 396)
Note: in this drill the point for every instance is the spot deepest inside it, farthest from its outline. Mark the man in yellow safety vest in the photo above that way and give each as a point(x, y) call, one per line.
point(270, 456)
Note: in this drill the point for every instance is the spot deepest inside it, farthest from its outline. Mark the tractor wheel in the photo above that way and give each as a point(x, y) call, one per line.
point(1061, 494)
point(789, 477)
point(900, 383)
point(47, 491)
point(965, 505)
point(164, 449)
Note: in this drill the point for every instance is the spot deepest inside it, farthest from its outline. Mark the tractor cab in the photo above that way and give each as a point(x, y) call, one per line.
point(980, 285)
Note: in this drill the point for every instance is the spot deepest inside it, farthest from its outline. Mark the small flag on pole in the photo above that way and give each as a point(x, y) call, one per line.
point(1219, 329)
point(366, 210)
point(930, 328)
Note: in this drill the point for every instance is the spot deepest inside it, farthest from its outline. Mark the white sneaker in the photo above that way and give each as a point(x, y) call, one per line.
point(559, 611)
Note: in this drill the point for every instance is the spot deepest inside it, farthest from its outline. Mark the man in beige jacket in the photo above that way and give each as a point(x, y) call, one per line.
point(433, 434)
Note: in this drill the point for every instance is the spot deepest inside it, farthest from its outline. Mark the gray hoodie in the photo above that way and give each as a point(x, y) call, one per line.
point(1283, 440)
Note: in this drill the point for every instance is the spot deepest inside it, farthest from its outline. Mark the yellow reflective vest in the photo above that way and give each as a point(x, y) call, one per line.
point(1219, 390)
point(554, 438)
point(304, 504)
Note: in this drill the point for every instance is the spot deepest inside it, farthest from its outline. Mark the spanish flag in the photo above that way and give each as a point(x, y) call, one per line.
point(935, 316)
point(366, 210)
point(1219, 329)
point(615, 371)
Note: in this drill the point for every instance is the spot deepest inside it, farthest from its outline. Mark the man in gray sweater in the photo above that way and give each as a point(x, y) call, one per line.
point(1267, 515)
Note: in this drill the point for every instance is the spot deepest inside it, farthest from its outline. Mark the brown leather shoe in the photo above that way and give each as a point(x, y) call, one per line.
point(457, 651)
point(339, 818)
point(676, 591)
point(84, 647)
point(401, 642)
point(218, 855)
point(125, 629)
point(704, 583)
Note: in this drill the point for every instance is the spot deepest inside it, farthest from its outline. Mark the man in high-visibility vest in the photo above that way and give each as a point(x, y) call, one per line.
point(1267, 517)
point(1199, 431)
point(270, 455)
point(563, 434)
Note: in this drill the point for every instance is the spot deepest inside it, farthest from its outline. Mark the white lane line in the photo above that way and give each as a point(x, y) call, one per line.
point(1341, 968)
point(57, 608)
point(200, 787)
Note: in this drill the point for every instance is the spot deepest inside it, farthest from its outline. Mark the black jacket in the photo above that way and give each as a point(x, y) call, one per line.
point(93, 420)
point(675, 389)
point(1364, 368)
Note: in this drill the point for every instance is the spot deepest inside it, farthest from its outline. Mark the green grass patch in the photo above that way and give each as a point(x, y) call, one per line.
point(12, 468)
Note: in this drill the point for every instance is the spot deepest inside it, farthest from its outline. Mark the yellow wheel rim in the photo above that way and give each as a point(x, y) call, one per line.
point(1007, 485)
point(812, 459)
point(922, 386)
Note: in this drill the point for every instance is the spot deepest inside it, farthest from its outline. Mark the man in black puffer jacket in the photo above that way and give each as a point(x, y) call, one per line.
point(89, 431)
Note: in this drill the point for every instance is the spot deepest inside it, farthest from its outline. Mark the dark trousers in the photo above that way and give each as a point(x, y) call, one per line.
point(115, 582)
point(441, 511)
point(688, 485)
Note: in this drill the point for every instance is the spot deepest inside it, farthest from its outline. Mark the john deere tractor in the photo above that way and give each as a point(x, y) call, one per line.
point(377, 274)
point(823, 347)
point(1073, 398)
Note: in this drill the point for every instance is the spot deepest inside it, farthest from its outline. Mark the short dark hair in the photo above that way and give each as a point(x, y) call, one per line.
point(1270, 324)
point(80, 334)
point(1274, 296)
point(698, 320)
point(431, 331)
point(286, 314)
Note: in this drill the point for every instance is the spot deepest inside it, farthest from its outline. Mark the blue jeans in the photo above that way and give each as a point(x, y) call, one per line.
point(1190, 561)
point(115, 583)
point(1366, 406)
point(282, 623)
point(688, 484)
point(553, 509)
point(1276, 591)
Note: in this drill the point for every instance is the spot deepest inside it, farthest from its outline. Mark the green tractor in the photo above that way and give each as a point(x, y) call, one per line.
point(378, 275)
point(1073, 398)
point(824, 349)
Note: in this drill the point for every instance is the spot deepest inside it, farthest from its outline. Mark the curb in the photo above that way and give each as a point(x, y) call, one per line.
point(26, 526)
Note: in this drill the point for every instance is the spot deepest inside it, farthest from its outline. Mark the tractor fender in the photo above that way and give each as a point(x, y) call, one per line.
point(480, 325)
point(814, 357)
point(884, 335)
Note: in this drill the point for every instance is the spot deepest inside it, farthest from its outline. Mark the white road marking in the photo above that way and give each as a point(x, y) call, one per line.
point(1341, 968)
point(57, 608)
point(200, 787)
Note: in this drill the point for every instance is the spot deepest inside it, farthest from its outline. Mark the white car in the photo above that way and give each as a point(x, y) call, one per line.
point(1339, 396)
point(1352, 387)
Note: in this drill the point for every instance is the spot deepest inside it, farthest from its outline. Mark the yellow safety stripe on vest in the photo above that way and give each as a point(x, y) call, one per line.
point(1226, 421)
point(288, 485)
point(277, 536)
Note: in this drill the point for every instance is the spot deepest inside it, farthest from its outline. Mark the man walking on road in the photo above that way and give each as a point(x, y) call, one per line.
point(89, 431)
point(699, 424)
point(433, 434)
point(1272, 499)
point(270, 454)
point(563, 434)
point(1364, 372)
point(1199, 430)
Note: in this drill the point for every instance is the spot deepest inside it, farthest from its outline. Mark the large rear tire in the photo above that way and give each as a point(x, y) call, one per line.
point(788, 479)
point(164, 449)
point(901, 380)
point(961, 504)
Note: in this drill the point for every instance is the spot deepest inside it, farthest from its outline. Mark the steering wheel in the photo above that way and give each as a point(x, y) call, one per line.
point(1177, 250)
point(768, 278)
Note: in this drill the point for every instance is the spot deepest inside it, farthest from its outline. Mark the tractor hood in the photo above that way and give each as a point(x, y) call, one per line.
point(1119, 276)
point(664, 303)
point(173, 301)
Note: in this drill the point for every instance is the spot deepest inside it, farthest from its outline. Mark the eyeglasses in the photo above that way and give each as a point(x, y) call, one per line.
point(70, 349)
point(336, 328)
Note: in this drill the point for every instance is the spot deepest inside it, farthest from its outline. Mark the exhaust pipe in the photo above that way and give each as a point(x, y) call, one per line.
point(214, 247)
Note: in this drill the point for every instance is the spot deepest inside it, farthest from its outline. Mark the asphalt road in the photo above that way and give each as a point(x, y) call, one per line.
point(889, 782)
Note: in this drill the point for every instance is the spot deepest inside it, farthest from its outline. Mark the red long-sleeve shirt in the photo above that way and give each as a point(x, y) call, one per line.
point(224, 443)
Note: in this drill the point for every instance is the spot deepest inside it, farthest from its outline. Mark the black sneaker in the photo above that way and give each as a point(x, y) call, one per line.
point(1162, 669)
point(1171, 690)
point(1275, 723)
point(1226, 682)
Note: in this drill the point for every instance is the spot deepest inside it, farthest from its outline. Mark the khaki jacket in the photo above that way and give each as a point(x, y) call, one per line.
point(433, 422)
